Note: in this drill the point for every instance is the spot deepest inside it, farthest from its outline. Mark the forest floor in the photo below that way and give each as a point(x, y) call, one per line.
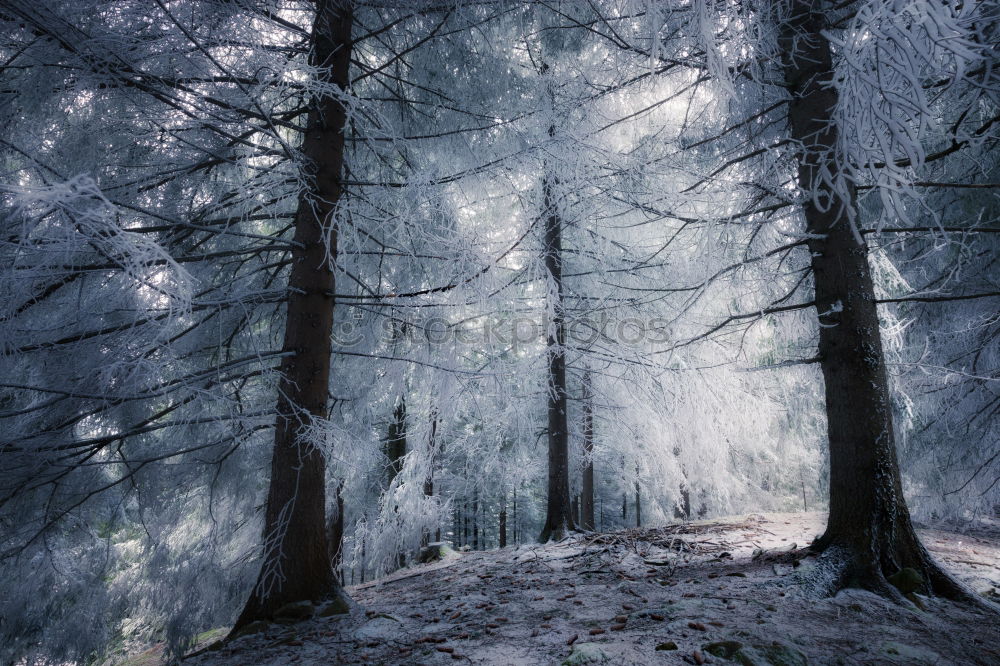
point(721, 591)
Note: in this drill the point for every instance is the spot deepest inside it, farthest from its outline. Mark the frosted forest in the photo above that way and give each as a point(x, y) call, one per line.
point(297, 296)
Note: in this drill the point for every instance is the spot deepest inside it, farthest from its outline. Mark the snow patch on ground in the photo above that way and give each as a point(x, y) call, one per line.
point(721, 591)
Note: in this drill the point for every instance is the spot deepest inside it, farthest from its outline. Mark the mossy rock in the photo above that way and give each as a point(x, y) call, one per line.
point(775, 654)
point(253, 628)
point(336, 606)
point(907, 580)
point(723, 649)
point(434, 552)
point(587, 653)
point(210, 636)
point(669, 645)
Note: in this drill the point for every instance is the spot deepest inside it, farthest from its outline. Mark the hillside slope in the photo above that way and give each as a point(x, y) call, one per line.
point(722, 591)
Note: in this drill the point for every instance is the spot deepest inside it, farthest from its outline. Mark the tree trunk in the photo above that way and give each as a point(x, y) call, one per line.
point(336, 532)
point(465, 524)
point(296, 560)
point(503, 527)
point(475, 519)
point(587, 489)
point(425, 537)
point(869, 530)
point(638, 506)
point(558, 517)
point(395, 442)
point(515, 518)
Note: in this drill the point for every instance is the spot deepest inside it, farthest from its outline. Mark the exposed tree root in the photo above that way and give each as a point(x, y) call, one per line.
point(897, 579)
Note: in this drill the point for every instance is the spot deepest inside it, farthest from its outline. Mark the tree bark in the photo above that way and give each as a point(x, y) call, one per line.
point(638, 506)
point(516, 533)
point(502, 536)
point(869, 531)
point(475, 519)
point(395, 442)
point(587, 485)
point(429, 479)
point(559, 517)
point(296, 562)
point(336, 532)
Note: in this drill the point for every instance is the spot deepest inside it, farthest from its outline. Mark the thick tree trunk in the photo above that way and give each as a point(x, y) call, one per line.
point(869, 531)
point(296, 563)
point(587, 485)
point(558, 516)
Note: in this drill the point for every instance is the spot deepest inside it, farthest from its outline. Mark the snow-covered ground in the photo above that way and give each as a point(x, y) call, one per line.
point(721, 591)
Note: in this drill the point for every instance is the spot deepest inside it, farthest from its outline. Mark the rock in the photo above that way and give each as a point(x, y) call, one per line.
point(587, 653)
point(252, 628)
point(723, 649)
point(669, 645)
point(434, 552)
point(336, 606)
point(907, 580)
point(295, 611)
point(775, 654)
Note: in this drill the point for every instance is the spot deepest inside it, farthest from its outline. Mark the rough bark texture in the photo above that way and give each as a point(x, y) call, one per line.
point(558, 515)
point(587, 485)
point(869, 528)
point(297, 564)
